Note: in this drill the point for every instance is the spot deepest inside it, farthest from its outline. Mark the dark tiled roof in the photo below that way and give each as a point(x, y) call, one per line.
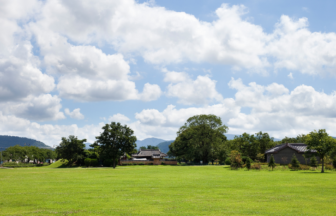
point(299, 147)
point(149, 153)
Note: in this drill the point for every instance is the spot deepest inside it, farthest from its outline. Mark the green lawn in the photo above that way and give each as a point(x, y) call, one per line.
point(165, 190)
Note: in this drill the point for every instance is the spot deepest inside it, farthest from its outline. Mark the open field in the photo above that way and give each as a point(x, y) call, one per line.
point(165, 190)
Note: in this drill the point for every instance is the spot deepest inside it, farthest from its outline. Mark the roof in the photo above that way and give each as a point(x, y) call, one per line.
point(155, 153)
point(299, 147)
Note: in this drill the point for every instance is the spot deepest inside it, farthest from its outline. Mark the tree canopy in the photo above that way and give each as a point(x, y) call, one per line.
point(320, 142)
point(199, 138)
point(71, 149)
point(115, 141)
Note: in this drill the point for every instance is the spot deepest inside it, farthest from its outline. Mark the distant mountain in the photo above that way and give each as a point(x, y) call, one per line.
point(8, 141)
point(148, 141)
point(164, 146)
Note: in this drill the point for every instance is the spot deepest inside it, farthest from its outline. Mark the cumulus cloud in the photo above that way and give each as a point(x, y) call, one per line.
point(39, 108)
point(119, 118)
point(76, 114)
point(166, 37)
point(188, 91)
point(274, 109)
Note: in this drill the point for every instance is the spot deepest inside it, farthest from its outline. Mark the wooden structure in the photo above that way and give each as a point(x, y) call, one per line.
point(283, 153)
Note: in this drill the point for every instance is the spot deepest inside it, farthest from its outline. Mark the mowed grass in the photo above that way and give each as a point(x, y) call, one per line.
point(165, 190)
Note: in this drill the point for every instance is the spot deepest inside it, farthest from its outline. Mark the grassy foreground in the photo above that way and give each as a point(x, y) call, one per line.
point(165, 190)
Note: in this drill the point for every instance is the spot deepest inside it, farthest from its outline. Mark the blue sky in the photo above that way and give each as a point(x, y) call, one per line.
point(67, 68)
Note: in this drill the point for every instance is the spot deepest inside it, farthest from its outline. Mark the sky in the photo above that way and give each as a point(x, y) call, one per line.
point(69, 67)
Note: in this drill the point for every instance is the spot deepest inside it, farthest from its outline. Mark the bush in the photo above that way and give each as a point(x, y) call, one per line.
point(334, 163)
point(256, 166)
point(141, 164)
point(248, 163)
point(295, 164)
point(304, 167)
point(313, 162)
point(150, 164)
point(87, 162)
point(228, 161)
point(271, 162)
point(94, 162)
point(107, 163)
point(163, 163)
point(328, 167)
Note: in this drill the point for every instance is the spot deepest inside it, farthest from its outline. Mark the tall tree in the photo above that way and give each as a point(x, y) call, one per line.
point(265, 141)
point(320, 142)
point(71, 149)
point(115, 141)
point(199, 138)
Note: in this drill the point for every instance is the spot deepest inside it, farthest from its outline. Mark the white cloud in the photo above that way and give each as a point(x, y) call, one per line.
point(119, 118)
point(38, 108)
point(188, 91)
point(290, 75)
point(76, 114)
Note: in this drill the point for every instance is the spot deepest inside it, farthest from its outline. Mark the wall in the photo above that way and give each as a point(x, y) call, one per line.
point(285, 156)
point(158, 162)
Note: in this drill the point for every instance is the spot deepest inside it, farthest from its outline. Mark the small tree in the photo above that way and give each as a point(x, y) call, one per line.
point(248, 163)
point(313, 162)
point(87, 162)
point(321, 143)
point(334, 163)
point(71, 149)
point(295, 163)
point(236, 160)
point(260, 157)
point(115, 141)
point(271, 162)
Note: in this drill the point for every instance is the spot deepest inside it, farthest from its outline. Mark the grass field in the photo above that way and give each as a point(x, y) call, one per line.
point(165, 190)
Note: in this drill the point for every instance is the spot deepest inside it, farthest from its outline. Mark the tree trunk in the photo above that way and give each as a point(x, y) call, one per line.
point(322, 171)
point(113, 163)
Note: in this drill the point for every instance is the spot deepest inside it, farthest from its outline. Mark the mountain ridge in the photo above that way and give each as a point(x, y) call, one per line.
point(8, 141)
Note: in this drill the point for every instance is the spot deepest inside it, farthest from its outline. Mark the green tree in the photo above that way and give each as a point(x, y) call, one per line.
point(248, 163)
point(199, 139)
point(295, 163)
point(271, 162)
point(321, 143)
point(71, 149)
point(313, 162)
point(334, 163)
point(265, 141)
point(115, 141)
point(236, 160)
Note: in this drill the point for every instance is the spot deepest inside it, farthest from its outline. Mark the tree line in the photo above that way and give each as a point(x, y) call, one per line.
point(202, 139)
point(27, 153)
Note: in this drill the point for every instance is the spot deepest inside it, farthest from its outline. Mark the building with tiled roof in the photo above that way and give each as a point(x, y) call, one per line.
point(149, 154)
point(283, 153)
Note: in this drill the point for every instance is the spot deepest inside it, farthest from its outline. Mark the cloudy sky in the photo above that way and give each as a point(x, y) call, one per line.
point(69, 67)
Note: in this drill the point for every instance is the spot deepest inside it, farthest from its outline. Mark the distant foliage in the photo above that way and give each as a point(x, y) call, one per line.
point(271, 162)
point(248, 163)
point(295, 163)
point(87, 162)
point(228, 161)
point(313, 162)
point(94, 162)
point(334, 163)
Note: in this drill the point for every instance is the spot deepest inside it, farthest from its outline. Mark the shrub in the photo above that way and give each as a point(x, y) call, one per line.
point(256, 166)
point(304, 167)
point(163, 163)
point(328, 167)
point(236, 161)
point(295, 163)
point(150, 164)
point(313, 162)
point(107, 163)
point(87, 162)
point(272, 162)
point(228, 161)
point(248, 163)
point(94, 162)
point(141, 164)
point(334, 163)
